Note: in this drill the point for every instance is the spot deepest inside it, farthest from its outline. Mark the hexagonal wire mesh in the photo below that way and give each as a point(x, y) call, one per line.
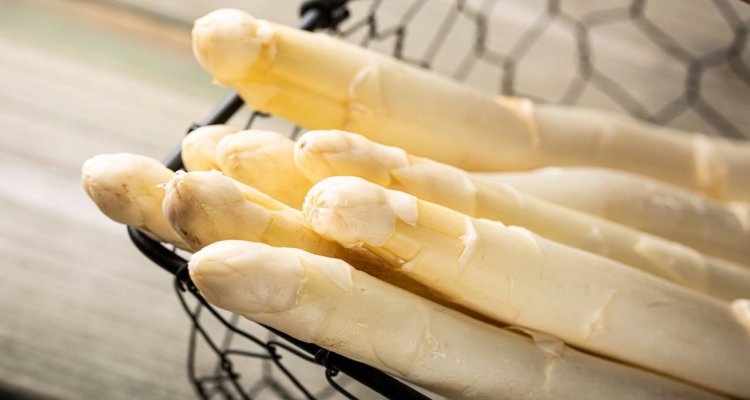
point(683, 63)
point(669, 62)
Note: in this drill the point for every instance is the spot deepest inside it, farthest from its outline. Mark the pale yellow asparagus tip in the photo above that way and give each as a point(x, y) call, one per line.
point(206, 204)
point(270, 286)
point(228, 42)
point(352, 211)
point(125, 188)
point(199, 147)
point(320, 154)
point(265, 161)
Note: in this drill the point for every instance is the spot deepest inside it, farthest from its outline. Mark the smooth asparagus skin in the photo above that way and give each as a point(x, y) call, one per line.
point(320, 82)
point(517, 277)
point(720, 229)
point(320, 154)
point(327, 302)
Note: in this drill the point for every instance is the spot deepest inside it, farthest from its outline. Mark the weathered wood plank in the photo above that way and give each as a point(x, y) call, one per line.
point(84, 315)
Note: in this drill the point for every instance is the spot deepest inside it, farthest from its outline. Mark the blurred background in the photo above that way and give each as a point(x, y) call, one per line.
point(83, 315)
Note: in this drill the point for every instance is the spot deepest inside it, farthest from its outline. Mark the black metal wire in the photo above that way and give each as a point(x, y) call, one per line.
point(225, 379)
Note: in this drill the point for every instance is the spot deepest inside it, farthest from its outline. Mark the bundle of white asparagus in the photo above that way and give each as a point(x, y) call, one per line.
point(208, 207)
point(517, 277)
point(432, 253)
point(321, 154)
point(320, 82)
point(429, 255)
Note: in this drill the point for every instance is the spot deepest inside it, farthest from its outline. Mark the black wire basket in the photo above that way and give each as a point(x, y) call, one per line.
point(247, 360)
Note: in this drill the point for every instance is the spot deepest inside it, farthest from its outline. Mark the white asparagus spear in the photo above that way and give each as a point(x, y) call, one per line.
point(320, 82)
point(325, 301)
point(265, 161)
point(199, 147)
point(125, 188)
point(715, 228)
point(517, 277)
point(207, 207)
point(320, 154)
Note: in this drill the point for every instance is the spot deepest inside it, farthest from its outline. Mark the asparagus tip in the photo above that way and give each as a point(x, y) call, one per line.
point(116, 182)
point(353, 211)
point(270, 278)
point(228, 42)
point(320, 154)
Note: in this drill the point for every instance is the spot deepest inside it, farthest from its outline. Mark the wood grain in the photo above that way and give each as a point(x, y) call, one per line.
point(83, 313)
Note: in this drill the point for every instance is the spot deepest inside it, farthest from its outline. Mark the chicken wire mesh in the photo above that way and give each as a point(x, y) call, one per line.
point(683, 63)
point(678, 62)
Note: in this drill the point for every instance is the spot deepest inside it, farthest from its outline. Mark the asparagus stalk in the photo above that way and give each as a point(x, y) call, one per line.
point(264, 160)
point(517, 277)
point(327, 302)
point(719, 229)
point(321, 82)
point(199, 147)
point(320, 154)
point(208, 207)
point(125, 188)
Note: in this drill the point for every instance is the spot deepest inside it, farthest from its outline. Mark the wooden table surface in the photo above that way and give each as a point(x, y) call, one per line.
point(82, 314)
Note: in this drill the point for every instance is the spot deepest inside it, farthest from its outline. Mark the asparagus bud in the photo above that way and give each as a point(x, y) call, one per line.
point(125, 187)
point(264, 160)
point(199, 147)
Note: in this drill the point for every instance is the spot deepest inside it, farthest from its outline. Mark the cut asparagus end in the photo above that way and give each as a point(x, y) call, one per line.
point(199, 147)
point(264, 160)
point(271, 278)
point(353, 211)
point(321, 154)
point(205, 207)
point(228, 43)
point(125, 188)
